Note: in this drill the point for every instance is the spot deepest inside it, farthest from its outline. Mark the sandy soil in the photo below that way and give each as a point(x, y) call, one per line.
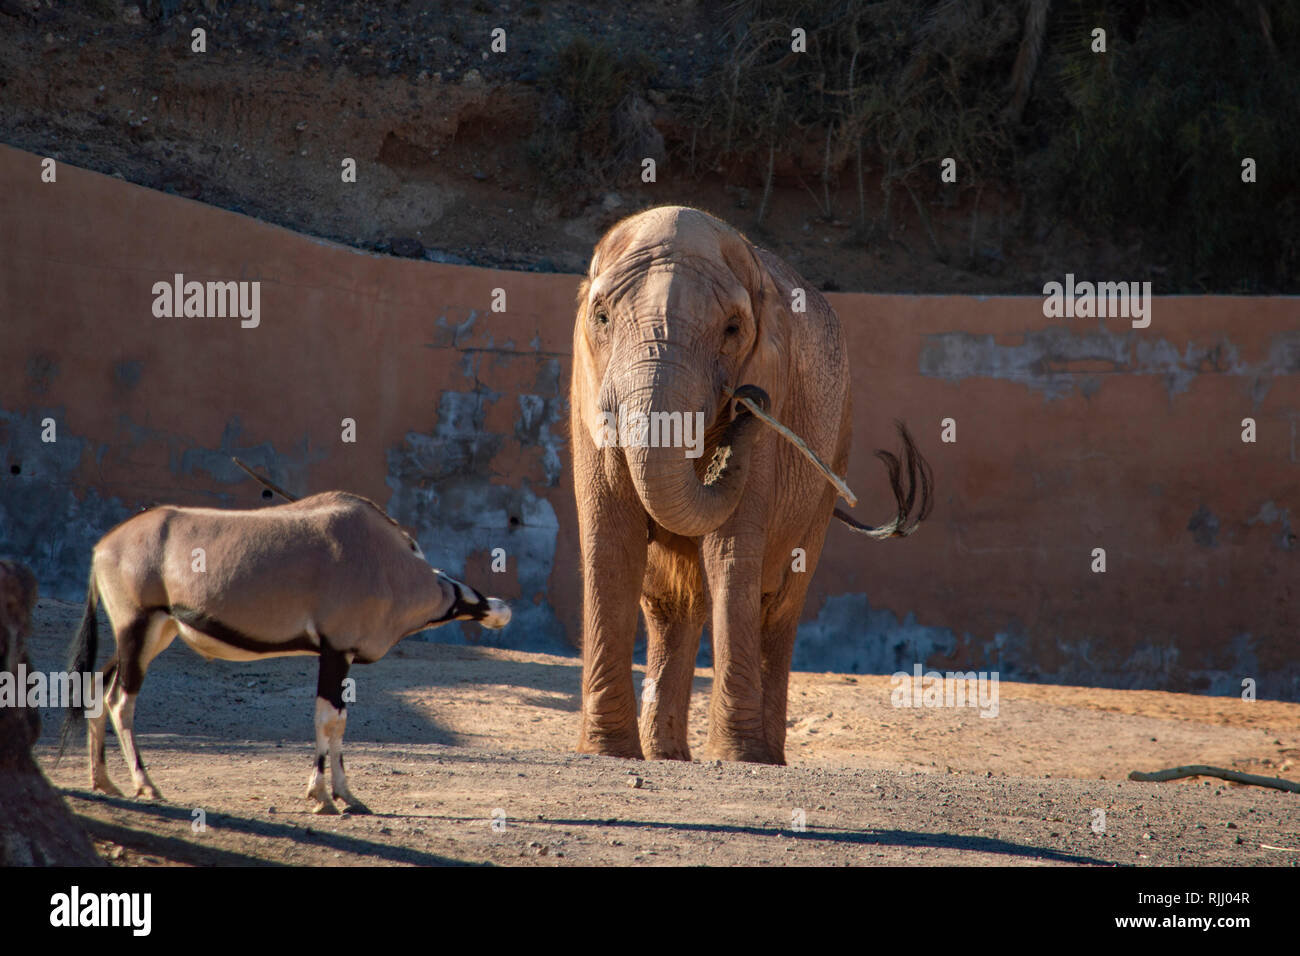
point(445, 740)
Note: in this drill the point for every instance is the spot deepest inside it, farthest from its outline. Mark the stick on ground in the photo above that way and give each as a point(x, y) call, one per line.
point(1200, 770)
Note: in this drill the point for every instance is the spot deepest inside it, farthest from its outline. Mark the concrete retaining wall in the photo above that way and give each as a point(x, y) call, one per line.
point(1072, 434)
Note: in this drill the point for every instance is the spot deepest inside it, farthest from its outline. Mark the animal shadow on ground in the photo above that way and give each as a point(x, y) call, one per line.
point(185, 851)
point(911, 838)
point(273, 700)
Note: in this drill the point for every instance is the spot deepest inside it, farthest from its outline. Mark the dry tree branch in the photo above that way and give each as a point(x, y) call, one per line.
point(1031, 49)
point(767, 182)
point(1200, 770)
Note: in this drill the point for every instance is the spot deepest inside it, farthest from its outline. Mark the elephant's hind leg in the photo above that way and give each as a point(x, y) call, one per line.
point(781, 612)
point(778, 648)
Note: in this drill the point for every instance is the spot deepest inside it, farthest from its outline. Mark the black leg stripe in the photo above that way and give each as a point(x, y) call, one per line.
point(333, 669)
point(218, 631)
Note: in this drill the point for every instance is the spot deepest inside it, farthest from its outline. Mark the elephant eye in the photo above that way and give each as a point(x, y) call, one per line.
point(733, 327)
point(602, 317)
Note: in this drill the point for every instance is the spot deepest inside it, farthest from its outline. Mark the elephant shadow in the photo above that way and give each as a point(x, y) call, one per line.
point(864, 838)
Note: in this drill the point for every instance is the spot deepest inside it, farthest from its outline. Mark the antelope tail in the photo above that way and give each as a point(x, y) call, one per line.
point(81, 660)
point(917, 468)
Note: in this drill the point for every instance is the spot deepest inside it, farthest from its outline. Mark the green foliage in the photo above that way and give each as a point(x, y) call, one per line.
point(1157, 129)
point(103, 9)
point(1147, 137)
point(886, 82)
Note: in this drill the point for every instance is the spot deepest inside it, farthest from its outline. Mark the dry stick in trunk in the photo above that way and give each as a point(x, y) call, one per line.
point(840, 484)
point(1200, 770)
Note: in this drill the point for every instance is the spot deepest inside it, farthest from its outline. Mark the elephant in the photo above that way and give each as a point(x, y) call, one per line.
point(680, 317)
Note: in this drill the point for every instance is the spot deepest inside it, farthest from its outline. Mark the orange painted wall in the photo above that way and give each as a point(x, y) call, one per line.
point(1072, 434)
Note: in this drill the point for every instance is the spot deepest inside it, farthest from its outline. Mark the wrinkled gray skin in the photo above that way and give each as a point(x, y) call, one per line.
point(677, 308)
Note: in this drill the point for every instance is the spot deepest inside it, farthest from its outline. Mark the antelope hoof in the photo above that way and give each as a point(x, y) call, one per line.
point(355, 806)
point(147, 792)
point(325, 808)
point(106, 786)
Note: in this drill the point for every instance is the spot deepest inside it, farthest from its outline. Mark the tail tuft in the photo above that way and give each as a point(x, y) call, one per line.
point(919, 477)
point(81, 660)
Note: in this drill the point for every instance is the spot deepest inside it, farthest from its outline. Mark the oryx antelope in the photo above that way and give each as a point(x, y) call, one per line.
point(330, 575)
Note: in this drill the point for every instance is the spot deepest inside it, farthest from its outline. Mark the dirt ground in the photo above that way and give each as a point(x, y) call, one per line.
point(465, 756)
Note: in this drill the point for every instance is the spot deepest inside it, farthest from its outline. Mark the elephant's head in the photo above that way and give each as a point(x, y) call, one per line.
point(678, 313)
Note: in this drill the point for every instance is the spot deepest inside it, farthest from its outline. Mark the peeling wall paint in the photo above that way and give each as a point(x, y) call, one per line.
point(1057, 360)
point(850, 635)
point(52, 517)
point(44, 522)
point(443, 490)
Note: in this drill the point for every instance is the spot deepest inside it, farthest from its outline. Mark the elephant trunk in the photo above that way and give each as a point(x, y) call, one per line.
point(672, 491)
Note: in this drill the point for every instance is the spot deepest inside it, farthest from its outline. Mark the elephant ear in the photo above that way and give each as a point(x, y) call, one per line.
point(587, 377)
point(767, 364)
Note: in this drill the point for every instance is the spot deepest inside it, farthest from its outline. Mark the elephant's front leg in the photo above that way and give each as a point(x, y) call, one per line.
point(673, 642)
point(733, 575)
point(613, 564)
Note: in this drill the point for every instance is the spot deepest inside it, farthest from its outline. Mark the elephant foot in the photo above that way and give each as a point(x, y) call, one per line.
point(611, 746)
point(666, 751)
point(743, 750)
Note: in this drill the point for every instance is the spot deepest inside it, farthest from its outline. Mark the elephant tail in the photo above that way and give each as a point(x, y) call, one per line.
point(918, 470)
